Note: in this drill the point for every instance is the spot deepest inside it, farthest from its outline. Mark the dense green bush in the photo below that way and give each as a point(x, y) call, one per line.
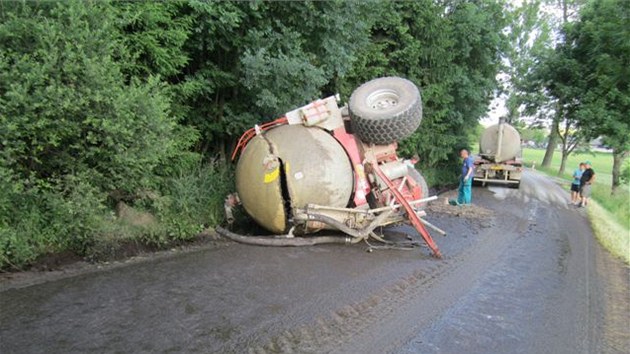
point(72, 215)
point(65, 107)
point(77, 134)
point(189, 202)
point(39, 218)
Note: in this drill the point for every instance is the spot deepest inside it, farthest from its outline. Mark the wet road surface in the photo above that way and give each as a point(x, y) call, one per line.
point(529, 279)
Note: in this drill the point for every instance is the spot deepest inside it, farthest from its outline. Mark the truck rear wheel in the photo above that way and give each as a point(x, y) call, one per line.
point(385, 110)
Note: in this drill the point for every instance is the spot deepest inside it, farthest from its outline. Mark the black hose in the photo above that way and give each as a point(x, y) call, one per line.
point(284, 241)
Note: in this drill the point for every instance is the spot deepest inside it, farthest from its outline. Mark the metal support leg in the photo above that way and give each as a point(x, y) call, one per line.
point(411, 214)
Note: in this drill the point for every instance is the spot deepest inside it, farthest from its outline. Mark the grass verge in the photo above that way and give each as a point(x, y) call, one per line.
point(613, 236)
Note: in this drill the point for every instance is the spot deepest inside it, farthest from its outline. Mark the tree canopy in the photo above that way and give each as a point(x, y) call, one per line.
point(602, 51)
point(567, 68)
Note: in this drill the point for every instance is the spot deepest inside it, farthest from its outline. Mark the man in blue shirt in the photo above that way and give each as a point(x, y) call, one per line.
point(464, 195)
point(575, 186)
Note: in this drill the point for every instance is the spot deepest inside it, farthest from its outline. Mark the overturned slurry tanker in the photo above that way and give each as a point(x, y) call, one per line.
point(325, 167)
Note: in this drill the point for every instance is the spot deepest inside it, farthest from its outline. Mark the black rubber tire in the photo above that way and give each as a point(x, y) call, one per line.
point(515, 185)
point(385, 110)
point(417, 176)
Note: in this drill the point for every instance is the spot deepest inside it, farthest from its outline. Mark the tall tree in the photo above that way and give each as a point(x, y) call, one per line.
point(601, 46)
point(452, 51)
point(568, 10)
point(529, 33)
point(252, 61)
point(562, 77)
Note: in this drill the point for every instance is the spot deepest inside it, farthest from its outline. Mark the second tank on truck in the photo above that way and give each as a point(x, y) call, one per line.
point(500, 156)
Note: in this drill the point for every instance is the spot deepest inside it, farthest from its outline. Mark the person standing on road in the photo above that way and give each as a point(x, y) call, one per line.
point(464, 195)
point(575, 186)
point(586, 180)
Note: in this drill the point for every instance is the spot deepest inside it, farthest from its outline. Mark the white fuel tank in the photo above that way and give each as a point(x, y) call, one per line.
point(509, 148)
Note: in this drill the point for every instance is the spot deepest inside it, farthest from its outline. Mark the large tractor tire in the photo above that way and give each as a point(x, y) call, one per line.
point(385, 110)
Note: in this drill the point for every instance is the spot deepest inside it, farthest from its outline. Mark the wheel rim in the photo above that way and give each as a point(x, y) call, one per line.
point(382, 99)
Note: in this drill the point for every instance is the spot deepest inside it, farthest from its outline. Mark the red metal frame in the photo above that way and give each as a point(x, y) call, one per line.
point(250, 133)
point(410, 190)
point(411, 214)
point(361, 184)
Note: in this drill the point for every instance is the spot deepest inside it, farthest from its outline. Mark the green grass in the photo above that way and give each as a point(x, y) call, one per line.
point(609, 233)
point(602, 162)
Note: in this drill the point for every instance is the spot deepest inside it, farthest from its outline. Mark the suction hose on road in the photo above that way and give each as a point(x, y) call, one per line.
point(283, 241)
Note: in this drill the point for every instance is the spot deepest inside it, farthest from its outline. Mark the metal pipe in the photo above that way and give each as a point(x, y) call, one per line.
point(440, 231)
point(499, 140)
point(283, 241)
point(402, 184)
point(419, 201)
point(369, 211)
point(348, 210)
point(334, 223)
point(359, 234)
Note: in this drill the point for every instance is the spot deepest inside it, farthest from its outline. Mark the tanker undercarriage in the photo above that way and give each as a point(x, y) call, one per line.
point(325, 168)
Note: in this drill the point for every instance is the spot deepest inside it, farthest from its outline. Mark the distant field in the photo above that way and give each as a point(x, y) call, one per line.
point(602, 162)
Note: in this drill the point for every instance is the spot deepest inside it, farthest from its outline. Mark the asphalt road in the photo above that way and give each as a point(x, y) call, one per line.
point(530, 278)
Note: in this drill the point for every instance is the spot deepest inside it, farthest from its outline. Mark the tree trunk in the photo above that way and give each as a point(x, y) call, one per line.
point(565, 12)
point(222, 152)
point(554, 134)
point(551, 147)
point(567, 145)
point(618, 158)
point(563, 163)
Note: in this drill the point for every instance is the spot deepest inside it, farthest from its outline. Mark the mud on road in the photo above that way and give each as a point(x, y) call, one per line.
point(526, 277)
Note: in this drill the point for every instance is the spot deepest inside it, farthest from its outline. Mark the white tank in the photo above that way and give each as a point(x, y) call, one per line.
point(509, 148)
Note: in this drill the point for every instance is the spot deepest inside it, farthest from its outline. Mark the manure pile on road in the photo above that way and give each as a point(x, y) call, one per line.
point(473, 211)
